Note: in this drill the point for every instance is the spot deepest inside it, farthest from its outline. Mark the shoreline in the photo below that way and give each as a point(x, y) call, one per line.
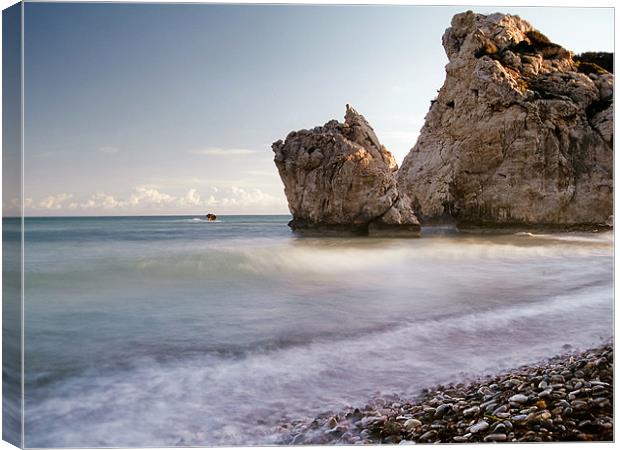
point(568, 397)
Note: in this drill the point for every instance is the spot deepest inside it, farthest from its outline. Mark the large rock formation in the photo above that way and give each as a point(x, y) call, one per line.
point(521, 132)
point(339, 179)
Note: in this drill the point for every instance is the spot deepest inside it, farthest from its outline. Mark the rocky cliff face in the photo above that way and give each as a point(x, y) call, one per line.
point(338, 178)
point(521, 132)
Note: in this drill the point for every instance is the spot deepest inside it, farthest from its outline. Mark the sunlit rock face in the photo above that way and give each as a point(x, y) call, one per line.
point(521, 132)
point(339, 179)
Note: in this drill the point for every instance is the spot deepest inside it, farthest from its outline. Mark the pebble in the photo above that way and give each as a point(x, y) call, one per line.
point(546, 393)
point(473, 411)
point(411, 424)
point(518, 398)
point(499, 437)
point(499, 427)
point(442, 409)
point(501, 409)
point(480, 426)
point(579, 404)
point(428, 435)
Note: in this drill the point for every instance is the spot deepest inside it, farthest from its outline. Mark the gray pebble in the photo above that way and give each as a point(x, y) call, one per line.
point(518, 398)
point(411, 424)
point(473, 411)
point(480, 426)
point(499, 437)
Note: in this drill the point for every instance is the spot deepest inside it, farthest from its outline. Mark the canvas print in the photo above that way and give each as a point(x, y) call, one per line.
point(232, 224)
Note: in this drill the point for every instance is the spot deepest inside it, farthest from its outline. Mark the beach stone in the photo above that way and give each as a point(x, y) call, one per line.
point(499, 427)
point(501, 409)
point(546, 393)
point(499, 437)
point(579, 404)
point(442, 409)
point(479, 426)
point(473, 411)
point(428, 435)
point(412, 424)
point(518, 398)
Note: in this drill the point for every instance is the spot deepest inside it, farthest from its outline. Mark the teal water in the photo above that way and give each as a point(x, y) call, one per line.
point(157, 331)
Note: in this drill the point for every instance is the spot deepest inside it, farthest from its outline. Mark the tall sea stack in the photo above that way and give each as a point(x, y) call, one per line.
point(521, 132)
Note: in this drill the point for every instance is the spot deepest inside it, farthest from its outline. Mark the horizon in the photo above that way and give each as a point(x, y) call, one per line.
point(158, 109)
point(112, 216)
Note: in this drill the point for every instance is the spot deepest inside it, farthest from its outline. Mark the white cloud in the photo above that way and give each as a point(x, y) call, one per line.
point(192, 198)
point(217, 151)
point(103, 201)
point(149, 196)
point(141, 197)
point(223, 200)
point(248, 198)
point(55, 201)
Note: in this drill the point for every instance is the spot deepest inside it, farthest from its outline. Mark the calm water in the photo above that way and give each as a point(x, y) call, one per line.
point(171, 330)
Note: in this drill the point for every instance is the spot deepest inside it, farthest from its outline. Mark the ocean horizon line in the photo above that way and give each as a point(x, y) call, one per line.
point(138, 216)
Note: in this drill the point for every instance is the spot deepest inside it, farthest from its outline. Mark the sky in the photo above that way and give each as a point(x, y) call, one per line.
point(172, 109)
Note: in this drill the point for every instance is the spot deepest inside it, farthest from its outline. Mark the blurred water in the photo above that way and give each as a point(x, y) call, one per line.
point(154, 331)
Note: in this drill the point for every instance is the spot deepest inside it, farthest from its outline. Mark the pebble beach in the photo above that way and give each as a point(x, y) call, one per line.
point(566, 398)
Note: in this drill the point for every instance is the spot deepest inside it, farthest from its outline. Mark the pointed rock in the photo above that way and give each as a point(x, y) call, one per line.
point(339, 179)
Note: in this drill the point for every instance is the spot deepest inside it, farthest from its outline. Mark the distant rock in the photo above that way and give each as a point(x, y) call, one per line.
point(339, 179)
point(521, 133)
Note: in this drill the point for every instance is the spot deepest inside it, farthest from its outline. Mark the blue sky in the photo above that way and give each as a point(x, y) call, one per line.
point(167, 109)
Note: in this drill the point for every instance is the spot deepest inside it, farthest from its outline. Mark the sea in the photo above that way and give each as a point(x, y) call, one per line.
point(172, 330)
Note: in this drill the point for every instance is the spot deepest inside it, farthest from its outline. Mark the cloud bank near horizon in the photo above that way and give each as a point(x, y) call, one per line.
point(150, 200)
